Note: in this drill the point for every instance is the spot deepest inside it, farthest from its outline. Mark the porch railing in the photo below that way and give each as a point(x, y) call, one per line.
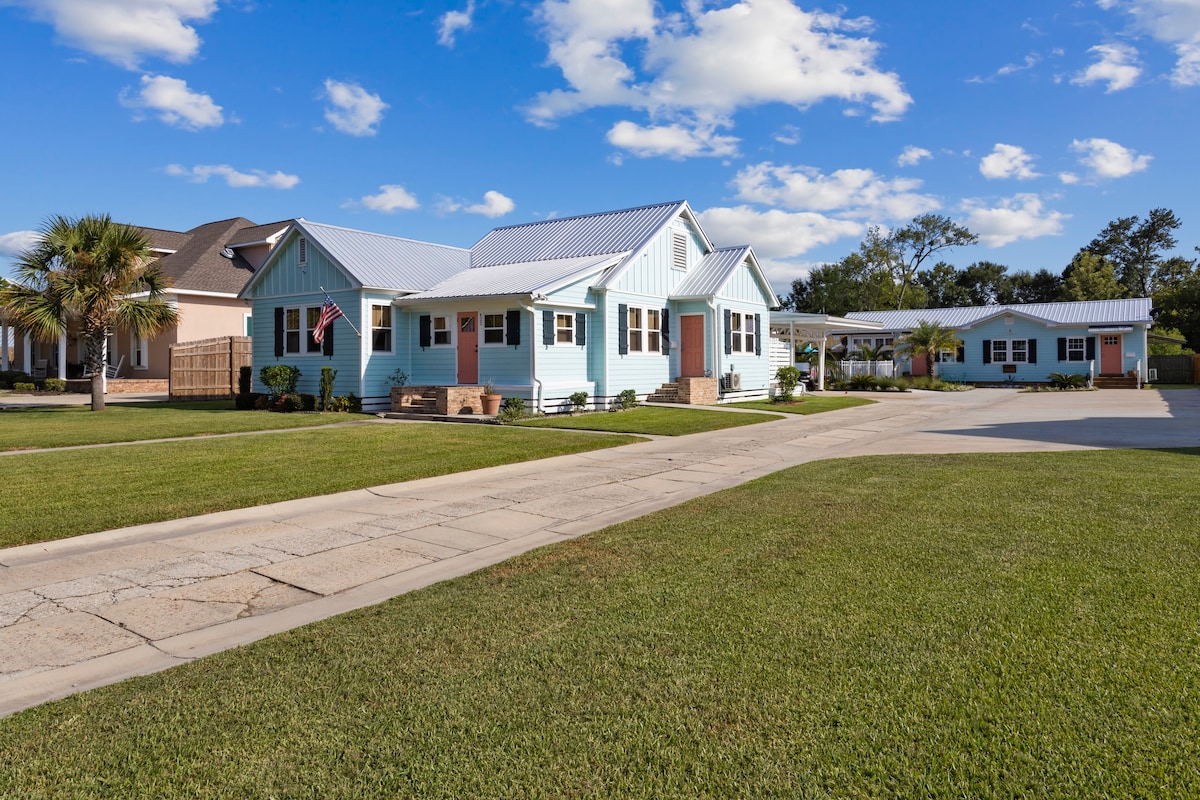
point(878, 369)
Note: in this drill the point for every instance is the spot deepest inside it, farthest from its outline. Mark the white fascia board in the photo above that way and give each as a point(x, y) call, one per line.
point(549, 303)
point(1008, 312)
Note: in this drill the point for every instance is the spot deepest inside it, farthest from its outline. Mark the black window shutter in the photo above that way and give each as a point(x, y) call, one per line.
point(987, 351)
point(1062, 348)
point(580, 328)
point(664, 333)
point(1033, 351)
point(622, 329)
point(327, 341)
point(960, 354)
point(547, 326)
point(758, 334)
point(426, 327)
point(512, 326)
point(279, 332)
point(1091, 348)
point(728, 332)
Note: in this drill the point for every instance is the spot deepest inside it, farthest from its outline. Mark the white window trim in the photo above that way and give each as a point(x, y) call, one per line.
point(483, 315)
point(247, 323)
point(1082, 349)
point(739, 335)
point(570, 317)
point(305, 332)
point(450, 329)
point(391, 327)
point(1008, 351)
point(646, 329)
point(135, 343)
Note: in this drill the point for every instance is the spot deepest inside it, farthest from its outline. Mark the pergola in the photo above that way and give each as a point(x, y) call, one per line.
point(791, 325)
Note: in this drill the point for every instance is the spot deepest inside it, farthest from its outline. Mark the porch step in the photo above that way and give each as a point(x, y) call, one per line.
point(1114, 382)
point(667, 393)
point(425, 404)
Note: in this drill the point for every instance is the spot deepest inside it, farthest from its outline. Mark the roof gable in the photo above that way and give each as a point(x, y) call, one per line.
point(200, 262)
point(528, 278)
point(709, 277)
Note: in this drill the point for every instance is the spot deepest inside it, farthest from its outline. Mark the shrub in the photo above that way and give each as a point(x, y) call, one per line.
point(328, 376)
point(398, 378)
point(308, 401)
point(280, 379)
point(1064, 380)
point(245, 401)
point(888, 384)
point(863, 383)
point(626, 399)
point(288, 403)
point(511, 410)
point(54, 385)
point(22, 386)
point(788, 378)
point(245, 373)
point(578, 400)
point(10, 377)
point(348, 402)
point(261, 402)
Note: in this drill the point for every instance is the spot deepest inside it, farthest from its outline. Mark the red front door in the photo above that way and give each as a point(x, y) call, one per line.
point(691, 345)
point(1110, 354)
point(468, 349)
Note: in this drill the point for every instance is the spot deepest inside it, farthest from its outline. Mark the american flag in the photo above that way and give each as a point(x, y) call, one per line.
point(329, 312)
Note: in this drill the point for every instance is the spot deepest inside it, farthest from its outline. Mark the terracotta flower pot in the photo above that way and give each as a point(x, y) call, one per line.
point(491, 403)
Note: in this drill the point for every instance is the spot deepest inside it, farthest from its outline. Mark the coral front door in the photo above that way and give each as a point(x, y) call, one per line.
point(468, 350)
point(1110, 355)
point(691, 345)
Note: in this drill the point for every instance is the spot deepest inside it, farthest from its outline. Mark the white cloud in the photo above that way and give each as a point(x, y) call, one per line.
point(450, 23)
point(175, 103)
point(698, 67)
point(1013, 218)
point(494, 204)
point(127, 31)
point(354, 110)
point(1007, 161)
point(788, 134)
point(1175, 23)
point(912, 156)
point(233, 178)
point(1068, 178)
point(391, 197)
point(1118, 66)
point(857, 193)
point(17, 242)
point(1030, 62)
point(1107, 159)
point(673, 141)
point(775, 233)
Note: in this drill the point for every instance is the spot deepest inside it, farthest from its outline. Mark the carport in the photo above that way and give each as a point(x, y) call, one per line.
point(791, 326)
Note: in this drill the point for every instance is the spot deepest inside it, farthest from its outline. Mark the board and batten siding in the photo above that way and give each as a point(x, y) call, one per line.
point(285, 277)
point(651, 273)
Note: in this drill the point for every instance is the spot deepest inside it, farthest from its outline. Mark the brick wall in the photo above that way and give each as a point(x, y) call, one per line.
point(698, 391)
point(450, 399)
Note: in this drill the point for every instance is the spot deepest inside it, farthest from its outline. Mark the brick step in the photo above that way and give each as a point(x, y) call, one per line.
point(1114, 382)
point(667, 393)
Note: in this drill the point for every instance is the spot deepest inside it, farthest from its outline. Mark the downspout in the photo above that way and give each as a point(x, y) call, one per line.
point(716, 342)
point(603, 346)
point(536, 383)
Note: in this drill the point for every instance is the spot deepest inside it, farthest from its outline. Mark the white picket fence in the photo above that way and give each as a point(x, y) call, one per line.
point(880, 369)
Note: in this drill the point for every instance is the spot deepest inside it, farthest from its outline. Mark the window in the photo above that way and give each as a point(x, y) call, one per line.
point(741, 332)
point(298, 324)
point(1076, 347)
point(493, 329)
point(139, 347)
point(312, 315)
point(679, 250)
point(291, 330)
point(1020, 350)
point(653, 330)
point(564, 328)
point(248, 325)
point(381, 329)
point(1012, 351)
point(637, 330)
point(748, 323)
point(441, 330)
point(1000, 350)
point(645, 330)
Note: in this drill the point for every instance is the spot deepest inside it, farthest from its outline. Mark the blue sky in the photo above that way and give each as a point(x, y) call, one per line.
point(786, 126)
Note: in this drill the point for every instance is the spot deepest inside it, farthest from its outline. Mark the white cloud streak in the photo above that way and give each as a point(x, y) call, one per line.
point(391, 197)
point(450, 23)
point(1107, 159)
point(352, 108)
point(494, 205)
point(672, 141)
point(912, 155)
point(1012, 219)
point(775, 233)
point(17, 242)
point(255, 178)
point(127, 31)
point(1175, 23)
point(1117, 66)
point(853, 193)
point(175, 103)
point(1007, 161)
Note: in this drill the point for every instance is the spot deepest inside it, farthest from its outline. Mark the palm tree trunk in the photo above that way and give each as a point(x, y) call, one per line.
point(98, 390)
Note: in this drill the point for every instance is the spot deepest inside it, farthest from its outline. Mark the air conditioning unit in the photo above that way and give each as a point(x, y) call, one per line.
point(733, 381)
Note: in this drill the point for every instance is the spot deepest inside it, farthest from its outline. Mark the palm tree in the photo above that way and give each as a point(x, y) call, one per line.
point(927, 339)
point(90, 272)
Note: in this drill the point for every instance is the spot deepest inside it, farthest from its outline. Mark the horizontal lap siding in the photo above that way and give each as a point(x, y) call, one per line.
point(753, 368)
point(378, 367)
point(642, 372)
point(973, 370)
point(505, 365)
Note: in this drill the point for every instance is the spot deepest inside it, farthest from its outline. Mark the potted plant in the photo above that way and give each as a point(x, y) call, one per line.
point(489, 399)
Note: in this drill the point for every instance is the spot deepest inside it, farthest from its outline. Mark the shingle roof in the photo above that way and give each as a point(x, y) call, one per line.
point(708, 276)
point(162, 239)
point(258, 233)
point(1089, 312)
point(379, 261)
point(525, 278)
point(197, 263)
point(570, 237)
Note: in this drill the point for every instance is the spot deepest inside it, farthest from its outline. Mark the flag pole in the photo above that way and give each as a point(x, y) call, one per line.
point(348, 322)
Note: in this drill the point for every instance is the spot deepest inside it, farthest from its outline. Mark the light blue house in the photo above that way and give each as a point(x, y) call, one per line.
point(1023, 343)
point(602, 303)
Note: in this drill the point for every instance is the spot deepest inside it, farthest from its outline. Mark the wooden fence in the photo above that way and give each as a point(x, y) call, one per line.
point(1174, 369)
point(208, 368)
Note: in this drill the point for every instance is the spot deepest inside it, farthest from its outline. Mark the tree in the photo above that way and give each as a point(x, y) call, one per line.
point(927, 339)
point(1135, 248)
point(1178, 299)
point(941, 287)
point(911, 245)
point(1090, 277)
point(851, 284)
point(1042, 286)
point(986, 283)
point(93, 273)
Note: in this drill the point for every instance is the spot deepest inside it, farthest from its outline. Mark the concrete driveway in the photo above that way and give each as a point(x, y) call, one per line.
point(95, 609)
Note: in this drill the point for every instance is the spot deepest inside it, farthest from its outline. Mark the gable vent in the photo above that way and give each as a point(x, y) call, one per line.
point(678, 250)
point(302, 250)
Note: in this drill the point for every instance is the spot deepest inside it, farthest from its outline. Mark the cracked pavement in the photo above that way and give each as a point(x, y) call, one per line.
point(91, 610)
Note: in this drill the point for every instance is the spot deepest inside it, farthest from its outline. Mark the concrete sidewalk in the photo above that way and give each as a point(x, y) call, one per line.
point(95, 609)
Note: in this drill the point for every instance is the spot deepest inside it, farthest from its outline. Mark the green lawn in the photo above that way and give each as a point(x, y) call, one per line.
point(24, 429)
point(809, 404)
point(650, 420)
point(919, 626)
point(54, 495)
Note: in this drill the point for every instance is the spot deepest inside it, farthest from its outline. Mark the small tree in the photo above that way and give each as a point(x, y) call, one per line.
point(280, 379)
point(788, 379)
point(328, 376)
point(927, 340)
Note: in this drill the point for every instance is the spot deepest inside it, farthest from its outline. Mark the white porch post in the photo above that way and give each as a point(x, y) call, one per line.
point(821, 360)
point(27, 355)
point(4, 346)
point(62, 355)
point(104, 367)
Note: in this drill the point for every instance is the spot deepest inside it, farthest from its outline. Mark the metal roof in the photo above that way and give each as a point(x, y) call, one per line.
point(623, 231)
point(709, 274)
point(525, 278)
point(376, 260)
point(1087, 312)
